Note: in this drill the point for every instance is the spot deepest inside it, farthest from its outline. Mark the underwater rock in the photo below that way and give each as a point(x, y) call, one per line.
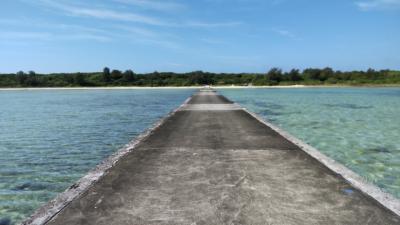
point(379, 150)
point(30, 186)
point(5, 221)
point(348, 106)
point(268, 112)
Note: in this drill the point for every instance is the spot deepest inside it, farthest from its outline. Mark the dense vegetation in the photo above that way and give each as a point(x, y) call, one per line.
point(128, 78)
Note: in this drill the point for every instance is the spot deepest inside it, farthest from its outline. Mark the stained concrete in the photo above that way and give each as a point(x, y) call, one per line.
point(220, 167)
point(211, 107)
point(209, 99)
point(219, 130)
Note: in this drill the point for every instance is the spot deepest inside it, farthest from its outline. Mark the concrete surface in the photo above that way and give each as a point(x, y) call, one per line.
point(208, 166)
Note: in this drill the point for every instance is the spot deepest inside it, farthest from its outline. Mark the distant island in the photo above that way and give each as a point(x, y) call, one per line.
point(274, 77)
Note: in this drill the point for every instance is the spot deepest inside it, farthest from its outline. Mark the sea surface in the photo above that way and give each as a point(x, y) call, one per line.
point(51, 138)
point(358, 127)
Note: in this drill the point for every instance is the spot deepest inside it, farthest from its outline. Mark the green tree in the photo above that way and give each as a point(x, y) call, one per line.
point(326, 73)
point(128, 76)
point(312, 74)
point(294, 75)
point(79, 79)
point(274, 76)
point(32, 79)
point(259, 80)
point(106, 75)
point(116, 75)
point(21, 78)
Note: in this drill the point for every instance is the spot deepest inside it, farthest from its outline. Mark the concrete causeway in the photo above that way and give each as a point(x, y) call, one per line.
point(212, 162)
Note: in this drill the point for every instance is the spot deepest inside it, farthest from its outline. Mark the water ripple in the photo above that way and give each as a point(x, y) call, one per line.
point(49, 139)
point(359, 127)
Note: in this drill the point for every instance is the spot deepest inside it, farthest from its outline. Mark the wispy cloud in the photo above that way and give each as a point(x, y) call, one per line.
point(162, 43)
point(213, 41)
point(138, 31)
point(146, 36)
point(49, 36)
point(39, 30)
point(139, 28)
point(109, 14)
point(154, 4)
point(378, 5)
point(45, 36)
point(173, 64)
point(44, 31)
point(103, 13)
point(211, 25)
point(92, 37)
point(232, 60)
point(285, 33)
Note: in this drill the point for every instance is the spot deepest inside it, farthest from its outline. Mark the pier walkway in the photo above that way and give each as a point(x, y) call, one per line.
point(212, 162)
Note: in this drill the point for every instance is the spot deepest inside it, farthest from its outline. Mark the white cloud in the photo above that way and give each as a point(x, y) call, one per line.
point(378, 5)
point(90, 37)
point(284, 33)
point(161, 43)
point(40, 30)
point(26, 35)
point(173, 64)
point(44, 31)
point(138, 31)
point(213, 41)
point(211, 25)
point(49, 36)
point(154, 5)
point(103, 13)
point(138, 28)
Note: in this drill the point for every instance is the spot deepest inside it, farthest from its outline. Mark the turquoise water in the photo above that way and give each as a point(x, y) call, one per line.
point(359, 127)
point(49, 139)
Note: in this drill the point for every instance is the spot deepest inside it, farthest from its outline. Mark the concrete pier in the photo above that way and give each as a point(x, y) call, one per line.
point(212, 162)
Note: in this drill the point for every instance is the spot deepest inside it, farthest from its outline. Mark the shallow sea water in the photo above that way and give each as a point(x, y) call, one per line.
point(51, 138)
point(358, 127)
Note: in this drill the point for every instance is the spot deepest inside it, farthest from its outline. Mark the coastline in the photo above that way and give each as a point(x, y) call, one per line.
point(93, 88)
point(196, 87)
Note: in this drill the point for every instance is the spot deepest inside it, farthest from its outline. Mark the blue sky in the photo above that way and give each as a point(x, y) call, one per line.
point(186, 35)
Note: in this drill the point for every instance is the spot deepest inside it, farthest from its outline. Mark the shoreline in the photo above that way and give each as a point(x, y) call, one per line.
point(196, 87)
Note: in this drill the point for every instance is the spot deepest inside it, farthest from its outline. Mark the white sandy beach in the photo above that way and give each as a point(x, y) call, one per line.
point(191, 87)
point(133, 88)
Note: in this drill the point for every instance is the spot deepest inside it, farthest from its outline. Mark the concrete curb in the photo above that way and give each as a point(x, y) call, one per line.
point(387, 200)
point(46, 212)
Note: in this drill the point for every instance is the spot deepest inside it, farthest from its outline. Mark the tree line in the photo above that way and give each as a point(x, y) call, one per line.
point(275, 76)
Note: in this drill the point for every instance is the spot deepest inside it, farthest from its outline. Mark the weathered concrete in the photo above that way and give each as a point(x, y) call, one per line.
point(213, 107)
point(209, 99)
point(220, 165)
